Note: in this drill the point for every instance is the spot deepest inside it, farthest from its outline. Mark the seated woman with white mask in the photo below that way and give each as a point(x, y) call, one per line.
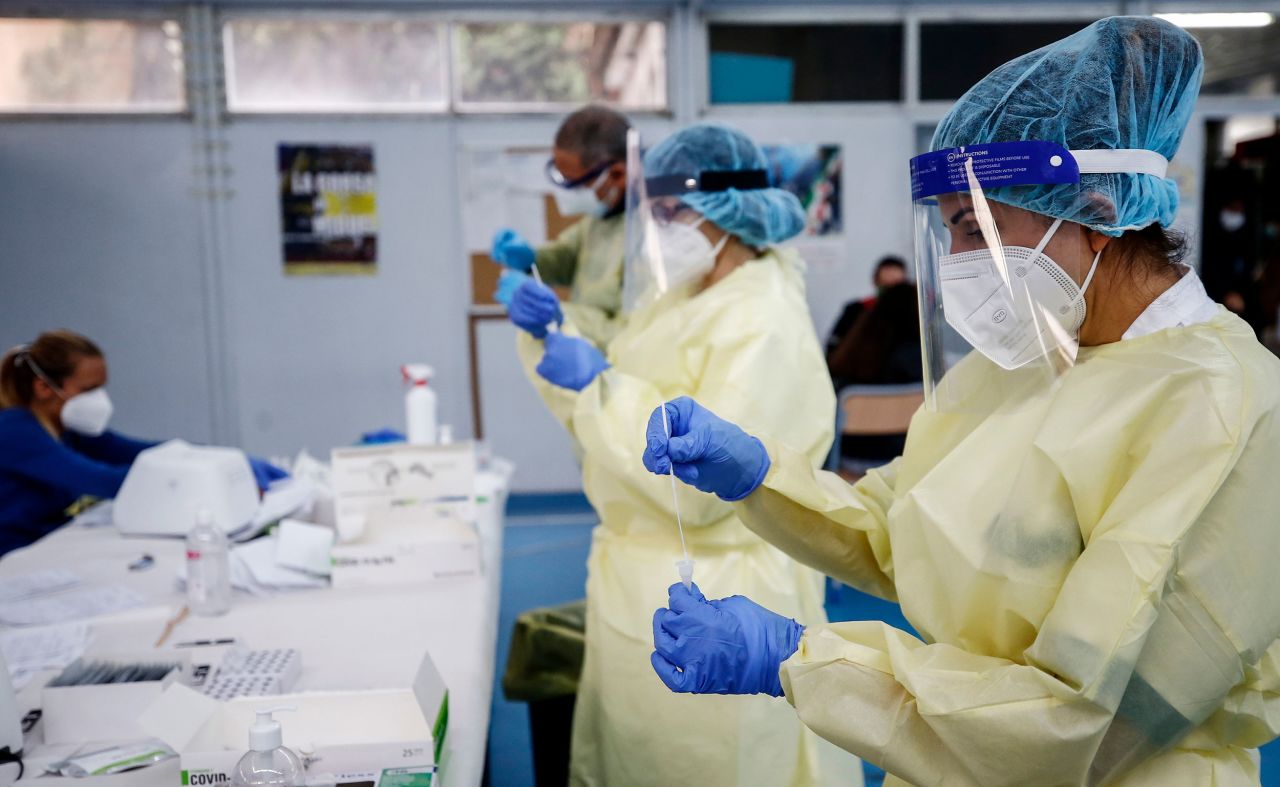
point(55, 447)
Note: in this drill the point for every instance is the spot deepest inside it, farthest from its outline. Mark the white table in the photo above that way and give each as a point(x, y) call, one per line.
point(344, 636)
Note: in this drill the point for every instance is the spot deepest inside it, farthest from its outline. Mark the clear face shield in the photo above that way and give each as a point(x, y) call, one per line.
point(665, 249)
point(1001, 287)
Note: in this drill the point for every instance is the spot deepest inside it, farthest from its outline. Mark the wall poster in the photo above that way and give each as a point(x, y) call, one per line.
point(328, 209)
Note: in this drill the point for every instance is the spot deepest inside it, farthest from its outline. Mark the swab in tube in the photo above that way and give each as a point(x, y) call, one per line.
point(685, 567)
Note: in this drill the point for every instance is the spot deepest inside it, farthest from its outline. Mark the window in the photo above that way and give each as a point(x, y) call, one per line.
point(1240, 60)
point(90, 65)
point(530, 65)
point(315, 64)
point(954, 56)
point(805, 63)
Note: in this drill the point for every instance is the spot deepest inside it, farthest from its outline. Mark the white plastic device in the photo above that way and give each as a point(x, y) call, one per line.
point(170, 483)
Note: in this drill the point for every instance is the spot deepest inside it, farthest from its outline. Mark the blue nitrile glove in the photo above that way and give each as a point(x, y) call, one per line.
point(264, 472)
point(708, 452)
point(382, 436)
point(508, 283)
point(570, 362)
point(729, 646)
point(512, 250)
point(533, 307)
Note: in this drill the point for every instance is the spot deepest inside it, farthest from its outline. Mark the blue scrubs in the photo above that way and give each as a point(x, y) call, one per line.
point(41, 476)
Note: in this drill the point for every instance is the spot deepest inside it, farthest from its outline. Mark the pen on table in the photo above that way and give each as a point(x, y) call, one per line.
point(200, 643)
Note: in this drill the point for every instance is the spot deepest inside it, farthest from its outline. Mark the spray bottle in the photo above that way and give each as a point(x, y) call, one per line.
point(419, 404)
point(268, 762)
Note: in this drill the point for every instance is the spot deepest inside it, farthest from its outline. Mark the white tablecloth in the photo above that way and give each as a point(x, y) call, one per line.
point(345, 636)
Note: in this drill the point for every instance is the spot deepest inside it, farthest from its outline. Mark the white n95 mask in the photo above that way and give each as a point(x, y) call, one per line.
point(582, 200)
point(686, 253)
point(1036, 311)
point(88, 412)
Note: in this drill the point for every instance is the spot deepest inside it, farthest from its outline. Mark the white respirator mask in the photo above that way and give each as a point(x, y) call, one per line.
point(687, 255)
point(582, 200)
point(1017, 309)
point(88, 413)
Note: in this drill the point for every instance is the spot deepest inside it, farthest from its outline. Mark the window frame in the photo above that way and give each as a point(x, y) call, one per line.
point(862, 18)
point(1226, 103)
point(1038, 12)
point(541, 109)
point(442, 21)
point(89, 112)
point(797, 15)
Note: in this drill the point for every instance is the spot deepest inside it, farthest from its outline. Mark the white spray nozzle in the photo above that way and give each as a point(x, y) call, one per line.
point(265, 734)
point(416, 373)
point(685, 567)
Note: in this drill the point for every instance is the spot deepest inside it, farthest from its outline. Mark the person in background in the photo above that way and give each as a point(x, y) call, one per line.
point(890, 270)
point(881, 348)
point(727, 321)
point(589, 172)
point(1230, 261)
point(55, 447)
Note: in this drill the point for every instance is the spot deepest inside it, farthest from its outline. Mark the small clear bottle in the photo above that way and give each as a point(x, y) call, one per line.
point(208, 567)
point(268, 762)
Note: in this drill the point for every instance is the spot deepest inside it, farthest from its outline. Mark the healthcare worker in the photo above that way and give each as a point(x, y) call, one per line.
point(588, 170)
point(55, 447)
point(718, 311)
point(1083, 524)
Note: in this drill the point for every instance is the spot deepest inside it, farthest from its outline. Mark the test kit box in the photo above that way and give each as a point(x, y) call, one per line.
point(371, 479)
point(106, 711)
point(389, 736)
point(407, 546)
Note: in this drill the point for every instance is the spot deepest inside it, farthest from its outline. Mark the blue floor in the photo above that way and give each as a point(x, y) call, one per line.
point(544, 563)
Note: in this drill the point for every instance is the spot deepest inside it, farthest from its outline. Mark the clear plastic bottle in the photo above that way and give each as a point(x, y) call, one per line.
point(208, 567)
point(268, 762)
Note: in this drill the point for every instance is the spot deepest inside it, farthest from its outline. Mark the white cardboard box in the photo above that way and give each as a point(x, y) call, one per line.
point(106, 712)
point(369, 479)
point(407, 546)
point(391, 736)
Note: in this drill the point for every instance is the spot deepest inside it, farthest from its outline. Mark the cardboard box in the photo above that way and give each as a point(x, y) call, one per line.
point(106, 712)
point(373, 479)
point(407, 546)
point(391, 736)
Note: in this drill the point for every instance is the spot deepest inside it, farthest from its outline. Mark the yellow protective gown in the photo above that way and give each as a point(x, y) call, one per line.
point(587, 257)
point(1095, 571)
point(732, 346)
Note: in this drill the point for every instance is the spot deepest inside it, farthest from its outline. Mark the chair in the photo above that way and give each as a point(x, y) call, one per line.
point(871, 410)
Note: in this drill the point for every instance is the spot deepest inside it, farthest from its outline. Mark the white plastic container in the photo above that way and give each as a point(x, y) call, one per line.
point(419, 404)
point(208, 568)
point(168, 483)
point(268, 762)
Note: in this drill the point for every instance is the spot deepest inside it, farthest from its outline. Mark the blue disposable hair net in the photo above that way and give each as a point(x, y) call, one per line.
point(759, 217)
point(1122, 82)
